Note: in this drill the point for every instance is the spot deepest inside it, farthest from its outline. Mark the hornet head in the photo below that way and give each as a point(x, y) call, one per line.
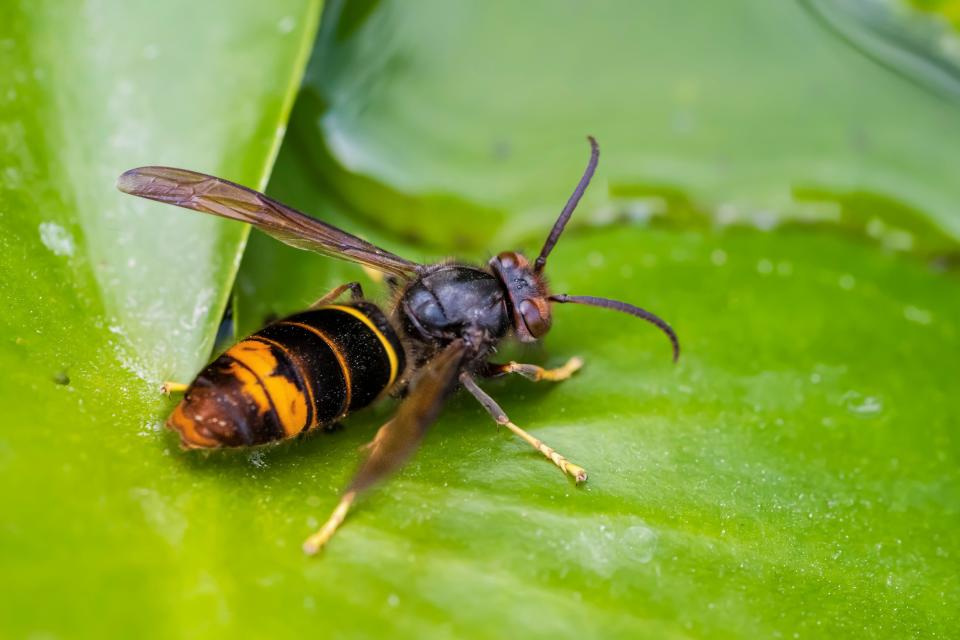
point(527, 295)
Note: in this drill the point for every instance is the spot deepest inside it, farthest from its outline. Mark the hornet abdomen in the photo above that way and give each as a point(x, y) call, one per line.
point(305, 371)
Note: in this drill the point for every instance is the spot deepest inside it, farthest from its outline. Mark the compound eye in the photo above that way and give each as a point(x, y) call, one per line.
point(536, 315)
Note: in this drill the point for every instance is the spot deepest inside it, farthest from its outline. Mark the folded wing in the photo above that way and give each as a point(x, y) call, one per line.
point(200, 192)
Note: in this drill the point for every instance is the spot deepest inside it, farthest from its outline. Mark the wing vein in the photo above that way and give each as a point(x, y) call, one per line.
point(208, 194)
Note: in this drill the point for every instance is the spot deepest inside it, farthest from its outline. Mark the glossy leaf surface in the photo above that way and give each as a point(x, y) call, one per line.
point(794, 474)
point(105, 296)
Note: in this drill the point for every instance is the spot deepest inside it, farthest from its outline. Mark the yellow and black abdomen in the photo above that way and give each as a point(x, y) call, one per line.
point(303, 372)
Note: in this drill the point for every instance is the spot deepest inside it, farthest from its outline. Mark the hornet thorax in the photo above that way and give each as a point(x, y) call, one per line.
point(455, 301)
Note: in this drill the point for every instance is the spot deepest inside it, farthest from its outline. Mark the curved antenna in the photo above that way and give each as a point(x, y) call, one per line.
point(616, 305)
point(568, 209)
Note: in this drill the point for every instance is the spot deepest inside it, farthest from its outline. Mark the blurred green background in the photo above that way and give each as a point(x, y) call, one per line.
point(778, 180)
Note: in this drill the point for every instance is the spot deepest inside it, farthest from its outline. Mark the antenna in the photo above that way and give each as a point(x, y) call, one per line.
point(568, 209)
point(624, 307)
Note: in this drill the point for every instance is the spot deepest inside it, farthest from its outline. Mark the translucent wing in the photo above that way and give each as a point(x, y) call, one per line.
point(200, 192)
point(396, 441)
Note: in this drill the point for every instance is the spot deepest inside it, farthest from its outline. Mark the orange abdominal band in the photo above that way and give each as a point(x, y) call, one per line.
point(261, 383)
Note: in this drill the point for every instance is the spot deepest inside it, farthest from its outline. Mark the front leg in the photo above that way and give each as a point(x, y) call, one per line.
point(534, 372)
point(578, 473)
point(356, 293)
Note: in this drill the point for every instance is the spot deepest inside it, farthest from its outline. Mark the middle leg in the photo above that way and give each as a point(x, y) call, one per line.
point(578, 473)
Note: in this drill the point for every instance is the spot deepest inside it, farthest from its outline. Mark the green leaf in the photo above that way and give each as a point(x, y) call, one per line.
point(794, 475)
point(734, 107)
point(105, 296)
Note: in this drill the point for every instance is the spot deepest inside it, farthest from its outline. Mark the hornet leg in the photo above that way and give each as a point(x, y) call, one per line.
point(396, 440)
point(356, 293)
point(318, 540)
point(535, 373)
point(173, 387)
point(578, 473)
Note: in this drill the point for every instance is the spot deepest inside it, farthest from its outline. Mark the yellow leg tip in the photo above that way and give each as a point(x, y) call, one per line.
point(311, 547)
point(569, 368)
point(579, 473)
point(172, 387)
point(316, 542)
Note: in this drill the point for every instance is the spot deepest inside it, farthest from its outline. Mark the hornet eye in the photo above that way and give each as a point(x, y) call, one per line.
point(535, 316)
